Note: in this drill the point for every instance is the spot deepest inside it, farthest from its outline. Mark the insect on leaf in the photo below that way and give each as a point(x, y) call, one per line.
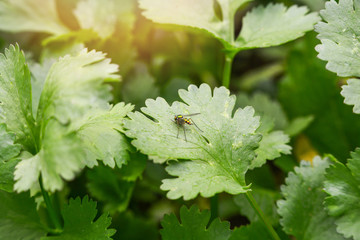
point(219, 155)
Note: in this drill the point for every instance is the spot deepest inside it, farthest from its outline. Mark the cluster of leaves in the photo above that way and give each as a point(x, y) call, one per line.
point(56, 119)
point(60, 140)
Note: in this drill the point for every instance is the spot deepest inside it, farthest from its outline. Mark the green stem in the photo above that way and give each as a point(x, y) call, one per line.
point(227, 69)
point(259, 212)
point(214, 207)
point(52, 213)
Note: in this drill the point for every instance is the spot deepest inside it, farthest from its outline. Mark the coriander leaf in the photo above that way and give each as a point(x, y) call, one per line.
point(272, 113)
point(38, 77)
point(265, 107)
point(76, 125)
point(61, 156)
point(97, 15)
point(273, 143)
point(7, 174)
point(99, 132)
point(220, 153)
point(76, 81)
point(15, 96)
point(18, 218)
point(262, 27)
point(339, 34)
point(197, 14)
point(193, 225)
point(30, 15)
point(266, 200)
point(196, 177)
point(274, 25)
point(255, 230)
point(351, 94)
point(79, 222)
point(8, 152)
point(8, 149)
point(302, 212)
point(342, 185)
point(106, 17)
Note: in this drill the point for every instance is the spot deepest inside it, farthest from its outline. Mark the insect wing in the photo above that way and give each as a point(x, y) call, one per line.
point(189, 115)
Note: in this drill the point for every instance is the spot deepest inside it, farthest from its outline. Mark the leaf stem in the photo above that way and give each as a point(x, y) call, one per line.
point(214, 207)
point(261, 215)
point(51, 211)
point(229, 57)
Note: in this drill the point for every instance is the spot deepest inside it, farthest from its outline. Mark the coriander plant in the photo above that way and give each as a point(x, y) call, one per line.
point(169, 119)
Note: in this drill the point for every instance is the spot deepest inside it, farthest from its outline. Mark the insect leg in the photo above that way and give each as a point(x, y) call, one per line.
point(178, 132)
point(196, 126)
point(185, 134)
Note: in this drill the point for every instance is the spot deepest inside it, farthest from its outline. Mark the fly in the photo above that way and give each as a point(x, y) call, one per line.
point(182, 120)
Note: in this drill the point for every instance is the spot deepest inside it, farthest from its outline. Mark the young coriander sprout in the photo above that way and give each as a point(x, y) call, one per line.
point(181, 120)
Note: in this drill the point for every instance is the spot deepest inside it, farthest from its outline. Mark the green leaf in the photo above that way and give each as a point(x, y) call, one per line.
point(79, 222)
point(60, 91)
point(8, 152)
point(339, 34)
point(351, 94)
point(99, 132)
point(38, 77)
point(266, 201)
point(272, 113)
point(8, 149)
point(220, 153)
point(255, 230)
point(193, 225)
point(98, 16)
point(67, 149)
point(60, 157)
point(30, 15)
point(302, 212)
point(342, 185)
point(273, 143)
point(104, 17)
point(15, 96)
point(263, 27)
point(75, 124)
point(196, 14)
point(274, 25)
point(18, 218)
point(7, 174)
point(265, 107)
